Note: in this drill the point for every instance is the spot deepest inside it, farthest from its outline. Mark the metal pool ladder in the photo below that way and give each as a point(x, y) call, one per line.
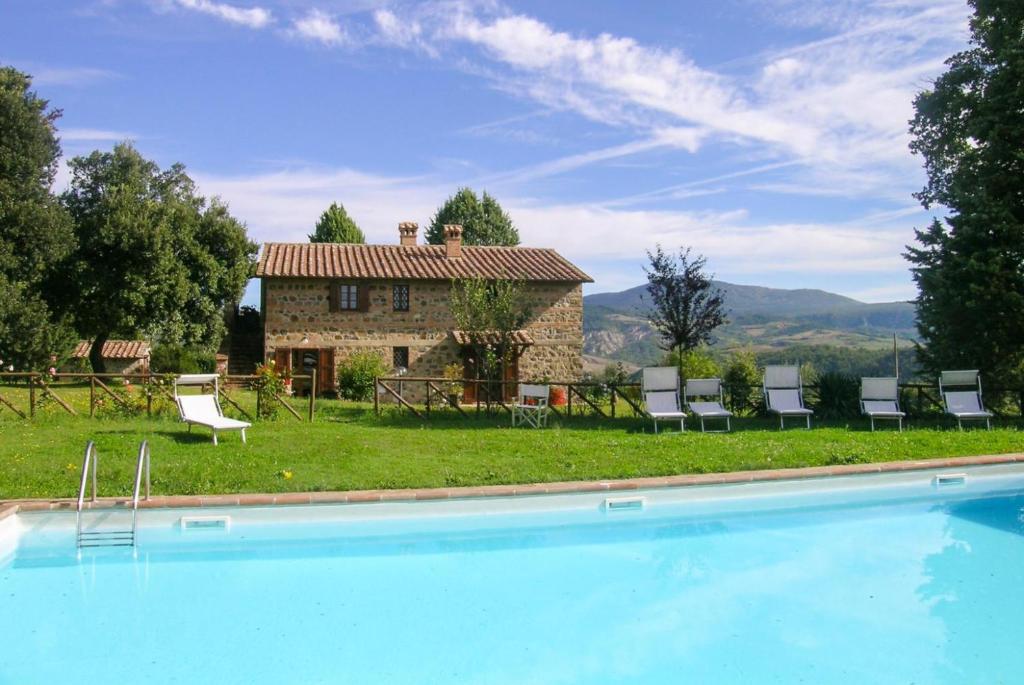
point(112, 537)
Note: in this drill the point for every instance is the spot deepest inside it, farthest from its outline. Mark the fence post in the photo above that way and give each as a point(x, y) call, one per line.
point(376, 395)
point(613, 393)
point(568, 398)
point(31, 395)
point(258, 403)
point(149, 395)
point(312, 395)
point(92, 396)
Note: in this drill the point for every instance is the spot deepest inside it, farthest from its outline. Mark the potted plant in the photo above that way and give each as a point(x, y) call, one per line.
point(557, 396)
point(453, 383)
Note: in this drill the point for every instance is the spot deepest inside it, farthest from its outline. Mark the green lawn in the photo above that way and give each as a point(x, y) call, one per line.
point(348, 447)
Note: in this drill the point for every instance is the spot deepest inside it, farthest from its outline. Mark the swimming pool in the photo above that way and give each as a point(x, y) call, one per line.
point(882, 579)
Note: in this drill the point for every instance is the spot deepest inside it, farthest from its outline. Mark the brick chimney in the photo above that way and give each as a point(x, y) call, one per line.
point(453, 241)
point(407, 233)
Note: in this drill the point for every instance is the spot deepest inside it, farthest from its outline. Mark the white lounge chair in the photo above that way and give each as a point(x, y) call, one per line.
point(531, 406)
point(964, 405)
point(880, 399)
point(204, 410)
point(784, 393)
point(696, 393)
point(660, 387)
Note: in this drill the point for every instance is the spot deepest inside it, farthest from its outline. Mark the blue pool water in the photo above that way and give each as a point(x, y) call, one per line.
point(918, 590)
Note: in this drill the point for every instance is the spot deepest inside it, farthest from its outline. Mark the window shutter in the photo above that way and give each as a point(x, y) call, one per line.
point(332, 298)
point(363, 298)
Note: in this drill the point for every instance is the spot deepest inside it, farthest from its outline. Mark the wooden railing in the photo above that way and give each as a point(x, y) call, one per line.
point(103, 386)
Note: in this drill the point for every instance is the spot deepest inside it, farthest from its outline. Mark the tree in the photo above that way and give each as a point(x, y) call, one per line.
point(686, 307)
point(969, 269)
point(483, 220)
point(153, 258)
point(336, 226)
point(35, 232)
point(489, 313)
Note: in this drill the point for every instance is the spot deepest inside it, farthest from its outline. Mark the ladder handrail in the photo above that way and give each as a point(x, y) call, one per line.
point(143, 459)
point(91, 457)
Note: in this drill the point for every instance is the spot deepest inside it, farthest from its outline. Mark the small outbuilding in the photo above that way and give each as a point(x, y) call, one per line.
point(119, 356)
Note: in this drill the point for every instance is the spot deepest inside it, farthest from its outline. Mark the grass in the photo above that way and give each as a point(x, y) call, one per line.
point(348, 447)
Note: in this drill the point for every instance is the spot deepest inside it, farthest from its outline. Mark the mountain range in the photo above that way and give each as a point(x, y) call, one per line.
point(615, 325)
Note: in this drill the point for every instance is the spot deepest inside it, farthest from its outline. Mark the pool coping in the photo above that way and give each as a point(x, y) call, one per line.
point(11, 507)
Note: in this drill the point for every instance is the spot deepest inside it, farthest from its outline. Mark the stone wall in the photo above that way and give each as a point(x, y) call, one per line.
point(297, 315)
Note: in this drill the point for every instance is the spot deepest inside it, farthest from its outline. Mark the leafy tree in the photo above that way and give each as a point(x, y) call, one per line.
point(35, 232)
point(154, 257)
point(698, 362)
point(742, 376)
point(483, 220)
point(969, 128)
point(686, 307)
point(336, 226)
point(490, 312)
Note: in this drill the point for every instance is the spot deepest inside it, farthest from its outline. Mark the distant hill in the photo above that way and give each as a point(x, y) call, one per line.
point(615, 325)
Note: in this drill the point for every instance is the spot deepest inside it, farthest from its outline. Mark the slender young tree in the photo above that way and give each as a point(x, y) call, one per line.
point(336, 226)
point(35, 231)
point(686, 307)
point(483, 220)
point(969, 268)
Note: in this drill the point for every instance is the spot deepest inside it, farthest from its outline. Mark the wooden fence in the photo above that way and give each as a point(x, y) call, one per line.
point(422, 396)
point(110, 387)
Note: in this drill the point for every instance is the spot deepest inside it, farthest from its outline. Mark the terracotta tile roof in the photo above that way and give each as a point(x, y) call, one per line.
point(519, 337)
point(115, 349)
point(419, 262)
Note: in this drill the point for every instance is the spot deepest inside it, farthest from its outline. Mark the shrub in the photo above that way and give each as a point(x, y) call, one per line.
point(742, 379)
point(838, 396)
point(181, 359)
point(696, 363)
point(269, 384)
point(356, 375)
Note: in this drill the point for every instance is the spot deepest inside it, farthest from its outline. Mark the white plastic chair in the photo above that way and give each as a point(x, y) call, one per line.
point(784, 393)
point(204, 410)
point(880, 399)
point(964, 405)
point(660, 388)
point(531, 406)
point(698, 388)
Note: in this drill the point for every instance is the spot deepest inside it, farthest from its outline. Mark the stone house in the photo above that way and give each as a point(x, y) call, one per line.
point(119, 356)
point(322, 302)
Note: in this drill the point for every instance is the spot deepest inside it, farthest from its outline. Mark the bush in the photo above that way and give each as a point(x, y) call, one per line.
point(742, 379)
point(356, 375)
point(180, 359)
point(696, 363)
point(838, 396)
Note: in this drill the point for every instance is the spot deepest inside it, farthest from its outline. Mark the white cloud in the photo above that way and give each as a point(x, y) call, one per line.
point(252, 17)
point(94, 134)
point(320, 27)
point(70, 76)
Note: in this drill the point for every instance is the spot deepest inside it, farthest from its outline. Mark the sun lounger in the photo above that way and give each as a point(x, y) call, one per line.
point(961, 403)
point(784, 394)
point(880, 399)
point(704, 399)
point(204, 410)
point(660, 387)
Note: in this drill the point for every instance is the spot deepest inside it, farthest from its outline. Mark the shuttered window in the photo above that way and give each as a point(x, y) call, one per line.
point(349, 297)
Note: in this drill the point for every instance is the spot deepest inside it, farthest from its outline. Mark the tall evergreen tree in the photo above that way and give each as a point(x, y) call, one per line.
point(336, 226)
point(483, 220)
point(154, 258)
point(35, 232)
point(969, 128)
point(686, 306)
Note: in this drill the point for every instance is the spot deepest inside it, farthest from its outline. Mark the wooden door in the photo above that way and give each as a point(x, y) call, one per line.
point(325, 371)
point(282, 359)
point(511, 380)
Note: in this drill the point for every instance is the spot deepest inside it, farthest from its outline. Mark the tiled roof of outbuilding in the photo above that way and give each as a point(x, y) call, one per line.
point(115, 349)
point(418, 262)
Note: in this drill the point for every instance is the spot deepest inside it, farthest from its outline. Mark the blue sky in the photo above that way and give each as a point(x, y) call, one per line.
point(770, 135)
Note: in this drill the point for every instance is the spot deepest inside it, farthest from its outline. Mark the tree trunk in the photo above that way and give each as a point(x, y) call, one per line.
point(96, 353)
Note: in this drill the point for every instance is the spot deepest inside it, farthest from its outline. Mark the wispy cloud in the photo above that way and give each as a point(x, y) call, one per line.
point(95, 134)
point(252, 17)
point(319, 27)
point(71, 76)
